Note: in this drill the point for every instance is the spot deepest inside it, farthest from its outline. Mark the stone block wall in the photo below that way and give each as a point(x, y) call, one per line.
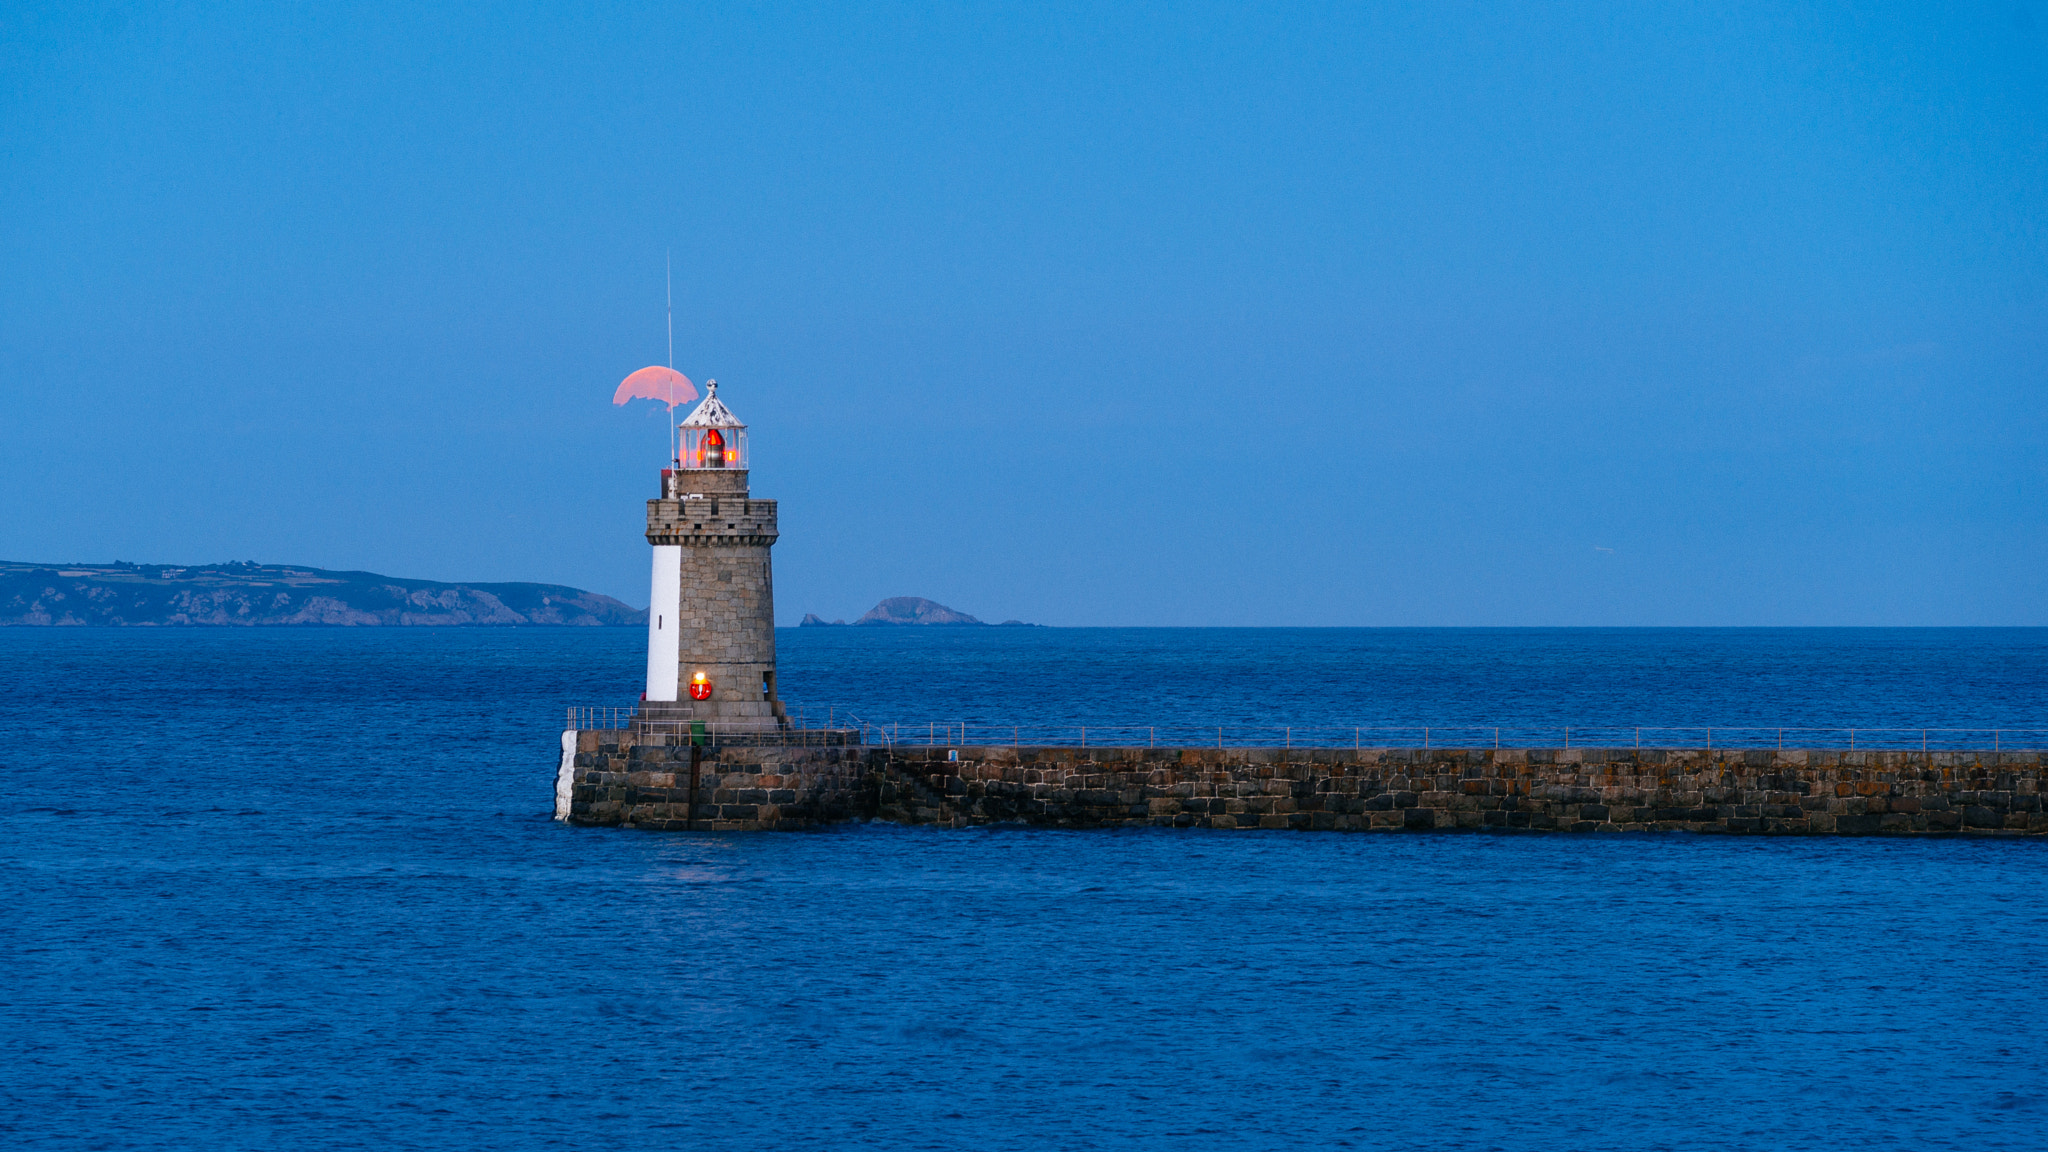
point(621, 778)
point(1371, 790)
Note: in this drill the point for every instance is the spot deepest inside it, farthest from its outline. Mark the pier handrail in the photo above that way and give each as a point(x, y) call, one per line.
point(803, 726)
point(808, 724)
point(1463, 736)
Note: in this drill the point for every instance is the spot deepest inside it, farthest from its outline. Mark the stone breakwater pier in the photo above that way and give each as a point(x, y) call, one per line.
point(613, 777)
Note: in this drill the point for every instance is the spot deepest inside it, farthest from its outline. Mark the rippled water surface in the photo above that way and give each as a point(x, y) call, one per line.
point(300, 890)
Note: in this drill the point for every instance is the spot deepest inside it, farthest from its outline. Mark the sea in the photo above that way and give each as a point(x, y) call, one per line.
point(300, 889)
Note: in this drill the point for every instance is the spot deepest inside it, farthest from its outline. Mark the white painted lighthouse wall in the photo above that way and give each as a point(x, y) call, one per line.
point(664, 631)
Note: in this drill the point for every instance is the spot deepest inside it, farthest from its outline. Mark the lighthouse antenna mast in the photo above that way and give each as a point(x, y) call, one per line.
point(669, 279)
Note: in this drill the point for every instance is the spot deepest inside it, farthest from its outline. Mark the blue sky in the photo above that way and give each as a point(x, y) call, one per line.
point(1431, 314)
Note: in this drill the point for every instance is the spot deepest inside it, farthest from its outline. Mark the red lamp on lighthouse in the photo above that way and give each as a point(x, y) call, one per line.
point(700, 687)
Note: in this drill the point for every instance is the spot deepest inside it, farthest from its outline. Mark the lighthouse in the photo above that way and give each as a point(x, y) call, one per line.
point(711, 619)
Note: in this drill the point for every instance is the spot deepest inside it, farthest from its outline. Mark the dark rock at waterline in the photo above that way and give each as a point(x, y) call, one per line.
point(909, 610)
point(913, 610)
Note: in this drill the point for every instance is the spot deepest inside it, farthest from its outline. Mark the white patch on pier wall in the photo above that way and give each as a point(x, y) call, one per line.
point(664, 644)
point(565, 776)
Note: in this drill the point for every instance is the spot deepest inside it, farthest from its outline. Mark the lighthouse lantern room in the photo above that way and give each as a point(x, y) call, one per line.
point(712, 437)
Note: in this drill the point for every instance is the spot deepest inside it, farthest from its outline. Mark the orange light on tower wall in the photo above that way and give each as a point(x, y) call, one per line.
point(700, 687)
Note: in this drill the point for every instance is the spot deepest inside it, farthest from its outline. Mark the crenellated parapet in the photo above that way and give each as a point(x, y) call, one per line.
point(723, 516)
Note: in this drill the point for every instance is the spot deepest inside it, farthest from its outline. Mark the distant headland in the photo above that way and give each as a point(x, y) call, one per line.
point(275, 595)
point(906, 610)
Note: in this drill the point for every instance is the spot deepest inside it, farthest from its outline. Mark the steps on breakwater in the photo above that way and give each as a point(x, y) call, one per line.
point(616, 778)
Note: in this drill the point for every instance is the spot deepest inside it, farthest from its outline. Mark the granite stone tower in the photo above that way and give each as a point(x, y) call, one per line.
point(711, 620)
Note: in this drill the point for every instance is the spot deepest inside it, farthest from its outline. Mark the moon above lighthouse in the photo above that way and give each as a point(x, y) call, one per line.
point(655, 382)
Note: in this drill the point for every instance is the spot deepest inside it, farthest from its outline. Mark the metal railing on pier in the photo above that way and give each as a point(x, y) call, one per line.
point(1560, 736)
point(964, 734)
point(837, 726)
point(802, 729)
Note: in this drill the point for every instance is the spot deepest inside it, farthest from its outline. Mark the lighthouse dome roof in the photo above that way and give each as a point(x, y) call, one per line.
point(712, 413)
